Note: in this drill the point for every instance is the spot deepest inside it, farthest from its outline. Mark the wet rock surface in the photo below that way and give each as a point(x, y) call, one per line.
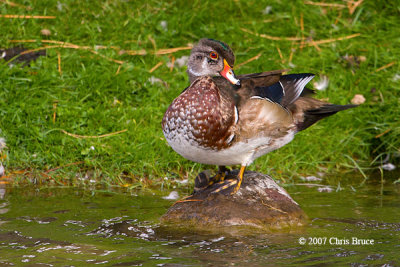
point(259, 203)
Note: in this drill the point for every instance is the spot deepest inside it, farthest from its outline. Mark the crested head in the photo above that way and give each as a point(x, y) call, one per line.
point(209, 57)
point(220, 47)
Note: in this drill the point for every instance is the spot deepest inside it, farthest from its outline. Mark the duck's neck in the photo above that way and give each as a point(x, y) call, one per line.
point(192, 76)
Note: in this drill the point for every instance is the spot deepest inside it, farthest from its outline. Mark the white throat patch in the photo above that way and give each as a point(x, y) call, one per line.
point(204, 67)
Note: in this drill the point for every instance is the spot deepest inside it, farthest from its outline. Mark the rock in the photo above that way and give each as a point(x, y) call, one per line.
point(260, 203)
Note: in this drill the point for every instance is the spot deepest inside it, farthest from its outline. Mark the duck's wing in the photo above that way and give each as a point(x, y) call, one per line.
point(293, 85)
point(260, 118)
point(290, 93)
point(261, 79)
point(283, 90)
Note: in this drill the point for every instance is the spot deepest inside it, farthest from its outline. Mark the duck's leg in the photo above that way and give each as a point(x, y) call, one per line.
point(240, 179)
point(237, 182)
point(220, 176)
point(204, 179)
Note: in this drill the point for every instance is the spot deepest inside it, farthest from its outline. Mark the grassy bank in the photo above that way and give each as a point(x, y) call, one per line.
point(90, 110)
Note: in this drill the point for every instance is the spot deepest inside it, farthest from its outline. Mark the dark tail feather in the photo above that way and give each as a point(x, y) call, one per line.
point(313, 115)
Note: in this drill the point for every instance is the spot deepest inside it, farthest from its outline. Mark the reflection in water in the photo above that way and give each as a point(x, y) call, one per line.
point(75, 227)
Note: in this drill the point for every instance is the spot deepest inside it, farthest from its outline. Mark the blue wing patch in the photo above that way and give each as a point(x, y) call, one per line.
point(273, 92)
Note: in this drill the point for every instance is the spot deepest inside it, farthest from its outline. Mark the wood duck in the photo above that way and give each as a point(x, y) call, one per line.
point(222, 119)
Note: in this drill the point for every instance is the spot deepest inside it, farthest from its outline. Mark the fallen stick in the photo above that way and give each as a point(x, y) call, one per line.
point(317, 42)
point(93, 136)
point(280, 54)
point(140, 52)
point(324, 4)
point(383, 133)
point(248, 61)
point(270, 37)
point(156, 66)
point(59, 63)
point(26, 17)
point(15, 4)
point(67, 45)
point(386, 66)
point(171, 50)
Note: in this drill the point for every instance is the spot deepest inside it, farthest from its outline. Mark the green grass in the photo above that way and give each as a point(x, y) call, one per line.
point(93, 99)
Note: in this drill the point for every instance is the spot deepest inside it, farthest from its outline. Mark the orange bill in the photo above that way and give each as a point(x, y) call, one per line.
point(227, 72)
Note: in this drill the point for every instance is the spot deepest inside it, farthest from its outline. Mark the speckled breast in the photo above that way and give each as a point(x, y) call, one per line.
point(201, 116)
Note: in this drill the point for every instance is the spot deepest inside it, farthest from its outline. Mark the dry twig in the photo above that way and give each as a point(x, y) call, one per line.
point(140, 52)
point(270, 37)
point(156, 66)
point(15, 4)
point(119, 68)
point(60, 44)
point(273, 208)
point(386, 66)
point(383, 133)
point(324, 4)
point(315, 45)
point(54, 110)
point(172, 64)
point(35, 50)
point(352, 5)
point(248, 61)
point(91, 136)
point(153, 42)
point(59, 62)
point(338, 17)
point(302, 29)
point(105, 57)
point(186, 200)
point(171, 50)
point(332, 40)
point(26, 17)
point(280, 54)
point(291, 54)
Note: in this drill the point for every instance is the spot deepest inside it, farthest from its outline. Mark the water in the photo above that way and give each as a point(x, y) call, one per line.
point(73, 227)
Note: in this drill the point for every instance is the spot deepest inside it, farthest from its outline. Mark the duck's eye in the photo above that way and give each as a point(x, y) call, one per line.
point(213, 55)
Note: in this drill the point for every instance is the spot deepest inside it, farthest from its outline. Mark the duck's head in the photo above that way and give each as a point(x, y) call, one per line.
point(211, 58)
